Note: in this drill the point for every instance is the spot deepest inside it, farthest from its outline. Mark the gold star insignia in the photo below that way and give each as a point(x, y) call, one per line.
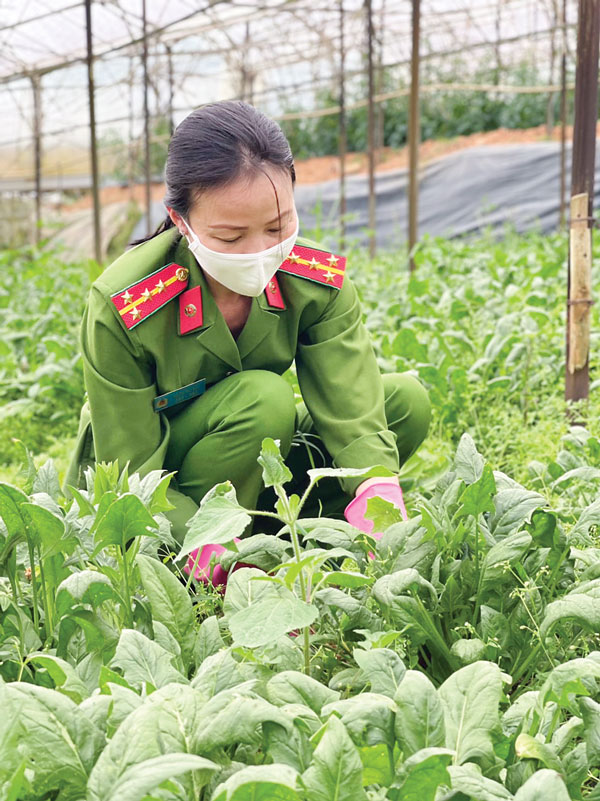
point(313, 264)
point(293, 258)
point(333, 260)
point(160, 287)
point(136, 313)
point(127, 297)
point(146, 294)
point(329, 277)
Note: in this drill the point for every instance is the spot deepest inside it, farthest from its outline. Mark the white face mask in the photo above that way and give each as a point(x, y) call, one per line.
point(244, 273)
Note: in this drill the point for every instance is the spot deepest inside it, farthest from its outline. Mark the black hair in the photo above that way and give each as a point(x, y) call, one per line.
point(213, 146)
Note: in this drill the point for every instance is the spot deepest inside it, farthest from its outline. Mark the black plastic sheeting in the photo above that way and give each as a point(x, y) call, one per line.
point(478, 188)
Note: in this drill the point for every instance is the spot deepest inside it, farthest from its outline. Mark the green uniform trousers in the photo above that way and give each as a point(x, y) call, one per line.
point(218, 437)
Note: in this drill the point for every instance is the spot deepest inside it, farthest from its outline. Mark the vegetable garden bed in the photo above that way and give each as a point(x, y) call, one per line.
point(462, 663)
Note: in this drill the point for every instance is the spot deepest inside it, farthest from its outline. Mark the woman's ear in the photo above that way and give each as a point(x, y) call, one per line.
point(177, 220)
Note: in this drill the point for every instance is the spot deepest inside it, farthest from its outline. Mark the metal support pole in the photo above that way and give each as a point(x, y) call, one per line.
point(379, 87)
point(147, 176)
point(171, 88)
point(343, 138)
point(37, 145)
point(582, 203)
point(371, 129)
point(414, 135)
point(93, 144)
point(563, 117)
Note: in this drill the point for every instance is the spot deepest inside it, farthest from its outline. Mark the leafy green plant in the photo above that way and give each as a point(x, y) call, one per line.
point(387, 696)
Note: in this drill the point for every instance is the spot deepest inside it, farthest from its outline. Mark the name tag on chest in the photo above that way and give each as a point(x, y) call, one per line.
point(179, 395)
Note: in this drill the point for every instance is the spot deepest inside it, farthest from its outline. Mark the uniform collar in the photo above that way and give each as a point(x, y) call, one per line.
point(214, 334)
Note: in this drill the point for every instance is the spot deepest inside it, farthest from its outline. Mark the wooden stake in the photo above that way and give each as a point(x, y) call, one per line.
point(577, 380)
point(37, 137)
point(414, 135)
point(343, 139)
point(371, 130)
point(580, 284)
point(93, 142)
point(147, 176)
point(563, 118)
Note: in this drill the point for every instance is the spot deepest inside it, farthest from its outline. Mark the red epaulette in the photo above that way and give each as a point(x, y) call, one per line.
point(139, 301)
point(316, 265)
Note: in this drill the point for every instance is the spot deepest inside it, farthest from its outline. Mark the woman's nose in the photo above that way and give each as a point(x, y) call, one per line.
point(258, 242)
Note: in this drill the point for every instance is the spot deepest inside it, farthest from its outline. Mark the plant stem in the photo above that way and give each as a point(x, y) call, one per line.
point(554, 574)
point(260, 513)
point(291, 519)
point(13, 583)
point(305, 496)
point(45, 600)
point(128, 611)
point(391, 761)
point(36, 617)
point(194, 568)
point(432, 630)
point(532, 655)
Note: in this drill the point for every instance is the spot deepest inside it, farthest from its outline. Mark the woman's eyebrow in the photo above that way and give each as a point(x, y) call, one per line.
point(241, 227)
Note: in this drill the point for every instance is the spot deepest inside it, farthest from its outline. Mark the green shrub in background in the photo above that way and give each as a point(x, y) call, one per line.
point(443, 114)
point(41, 380)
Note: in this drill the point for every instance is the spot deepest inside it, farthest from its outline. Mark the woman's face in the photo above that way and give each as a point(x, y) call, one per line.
point(242, 217)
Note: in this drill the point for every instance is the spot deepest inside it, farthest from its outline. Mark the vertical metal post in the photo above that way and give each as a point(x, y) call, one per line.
point(414, 135)
point(131, 144)
point(246, 72)
point(582, 184)
point(371, 129)
point(550, 103)
point(379, 127)
point(93, 143)
point(171, 88)
point(147, 176)
point(563, 117)
point(343, 138)
point(37, 145)
point(498, 26)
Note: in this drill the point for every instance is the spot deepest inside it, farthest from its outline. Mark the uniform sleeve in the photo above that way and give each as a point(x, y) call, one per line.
point(120, 383)
point(341, 386)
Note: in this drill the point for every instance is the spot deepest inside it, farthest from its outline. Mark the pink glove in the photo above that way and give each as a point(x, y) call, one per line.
point(356, 509)
point(219, 575)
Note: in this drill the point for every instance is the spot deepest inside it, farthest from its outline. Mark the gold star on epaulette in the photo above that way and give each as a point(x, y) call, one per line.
point(136, 313)
point(333, 260)
point(160, 287)
point(146, 294)
point(329, 277)
point(127, 297)
point(293, 258)
point(313, 264)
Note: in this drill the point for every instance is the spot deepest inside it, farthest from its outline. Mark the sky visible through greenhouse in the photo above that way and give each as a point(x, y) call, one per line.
point(285, 50)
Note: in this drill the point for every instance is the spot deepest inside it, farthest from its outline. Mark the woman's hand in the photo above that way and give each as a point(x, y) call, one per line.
point(370, 481)
point(387, 488)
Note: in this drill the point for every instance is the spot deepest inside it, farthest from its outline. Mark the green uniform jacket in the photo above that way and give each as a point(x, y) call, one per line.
point(321, 329)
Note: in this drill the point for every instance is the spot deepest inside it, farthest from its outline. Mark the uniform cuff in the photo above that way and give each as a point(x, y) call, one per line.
point(366, 451)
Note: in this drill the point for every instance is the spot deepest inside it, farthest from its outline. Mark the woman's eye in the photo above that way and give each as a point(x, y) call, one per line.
point(275, 230)
point(228, 240)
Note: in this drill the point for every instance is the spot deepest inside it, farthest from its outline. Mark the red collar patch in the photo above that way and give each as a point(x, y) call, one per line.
point(139, 301)
point(316, 265)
